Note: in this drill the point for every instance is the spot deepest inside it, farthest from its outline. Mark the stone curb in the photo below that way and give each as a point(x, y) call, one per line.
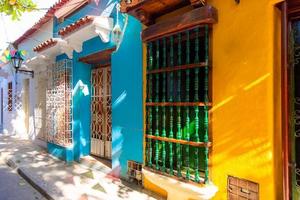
point(34, 184)
point(30, 180)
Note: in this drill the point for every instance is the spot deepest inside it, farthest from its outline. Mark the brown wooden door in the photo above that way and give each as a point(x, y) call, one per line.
point(101, 112)
point(26, 103)
point(40, 107)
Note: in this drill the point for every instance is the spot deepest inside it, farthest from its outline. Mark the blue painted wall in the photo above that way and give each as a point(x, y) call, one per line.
point(127, 90)
point(127, 98)
point(61, 152)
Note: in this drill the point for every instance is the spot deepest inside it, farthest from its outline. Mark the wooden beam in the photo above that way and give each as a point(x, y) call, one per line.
point(101, 57)
point(287, 187)
point(183, 142)
point(147, 11)
point(177, 104)
point(196, 17)
point(176, 68)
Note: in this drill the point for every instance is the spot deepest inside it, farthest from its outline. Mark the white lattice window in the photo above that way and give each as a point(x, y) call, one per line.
point(9, 97)
point(59, 103)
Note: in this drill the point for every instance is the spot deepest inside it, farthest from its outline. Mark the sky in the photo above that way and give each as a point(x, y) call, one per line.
point(11, 30)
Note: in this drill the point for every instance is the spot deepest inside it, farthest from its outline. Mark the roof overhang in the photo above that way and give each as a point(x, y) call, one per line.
point(147, 11)
point(69, 8)
point(46, 18)
point(87, 28)
point(38, 63)
point(53, 47)
point(196, 17)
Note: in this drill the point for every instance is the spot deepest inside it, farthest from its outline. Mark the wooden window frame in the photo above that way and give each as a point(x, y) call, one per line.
point(290, 10)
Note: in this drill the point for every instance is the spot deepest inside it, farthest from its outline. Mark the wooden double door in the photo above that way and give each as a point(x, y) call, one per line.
point(101, 112)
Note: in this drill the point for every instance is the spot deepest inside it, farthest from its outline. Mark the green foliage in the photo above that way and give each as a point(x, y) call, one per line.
point(15, 8)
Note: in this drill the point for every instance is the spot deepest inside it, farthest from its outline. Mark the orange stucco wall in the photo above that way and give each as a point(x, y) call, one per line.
point(246, 96)
point(245, 120)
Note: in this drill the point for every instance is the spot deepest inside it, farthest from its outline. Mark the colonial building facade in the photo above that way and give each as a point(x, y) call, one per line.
point(197, 98)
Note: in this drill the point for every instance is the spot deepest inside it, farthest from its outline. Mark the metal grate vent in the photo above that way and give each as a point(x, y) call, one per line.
point(134, 171)
point(242, 189)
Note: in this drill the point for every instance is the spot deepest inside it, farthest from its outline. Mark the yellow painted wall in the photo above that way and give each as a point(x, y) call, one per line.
point(246, 128)
point(246, 122)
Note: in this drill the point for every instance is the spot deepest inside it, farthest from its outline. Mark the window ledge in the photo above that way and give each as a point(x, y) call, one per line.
point(178, 190)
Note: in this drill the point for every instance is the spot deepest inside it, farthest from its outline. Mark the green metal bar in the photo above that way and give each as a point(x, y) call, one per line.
point(150, 131)
point(206, 101)
point(294, 34)
point(171, 134)
point(179, 131)
point(163, 108)
point(196, 108)
point(164, 52)
point(187, 112)
point(157, 108)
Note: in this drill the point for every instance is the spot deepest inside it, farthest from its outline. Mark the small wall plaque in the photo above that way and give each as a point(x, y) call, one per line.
point(242, 189)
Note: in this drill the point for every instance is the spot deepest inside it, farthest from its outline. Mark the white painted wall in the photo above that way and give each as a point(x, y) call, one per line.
point(44, 33)
point(14, 122)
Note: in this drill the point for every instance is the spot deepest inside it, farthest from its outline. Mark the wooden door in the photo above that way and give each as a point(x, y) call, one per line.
point(26, 103)
point(40, 107)
point(101, 112)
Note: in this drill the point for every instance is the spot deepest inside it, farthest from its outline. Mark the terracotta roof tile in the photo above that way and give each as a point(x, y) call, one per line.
point(47, 17)
point(48, 43)
point(75, 26)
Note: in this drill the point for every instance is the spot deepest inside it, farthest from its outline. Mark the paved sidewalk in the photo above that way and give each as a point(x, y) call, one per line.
point(57, 180)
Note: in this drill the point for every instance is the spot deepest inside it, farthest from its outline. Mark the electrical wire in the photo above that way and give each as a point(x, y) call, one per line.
point(102, 11)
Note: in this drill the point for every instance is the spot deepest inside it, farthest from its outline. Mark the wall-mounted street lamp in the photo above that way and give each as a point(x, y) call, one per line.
point(16, 61)
point(117, 31)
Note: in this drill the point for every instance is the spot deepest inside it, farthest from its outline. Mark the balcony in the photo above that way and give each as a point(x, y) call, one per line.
point(148, 10)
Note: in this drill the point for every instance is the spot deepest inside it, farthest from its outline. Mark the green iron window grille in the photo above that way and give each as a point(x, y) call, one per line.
point(177, 105)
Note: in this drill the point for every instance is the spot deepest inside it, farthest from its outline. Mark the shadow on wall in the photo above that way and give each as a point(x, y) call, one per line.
point(18, 125)
point(117, 139)
point(244, 137)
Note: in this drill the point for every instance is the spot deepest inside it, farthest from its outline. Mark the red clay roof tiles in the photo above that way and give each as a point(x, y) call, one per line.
point(48, 43)
point(75, 26)
point(47, 17)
